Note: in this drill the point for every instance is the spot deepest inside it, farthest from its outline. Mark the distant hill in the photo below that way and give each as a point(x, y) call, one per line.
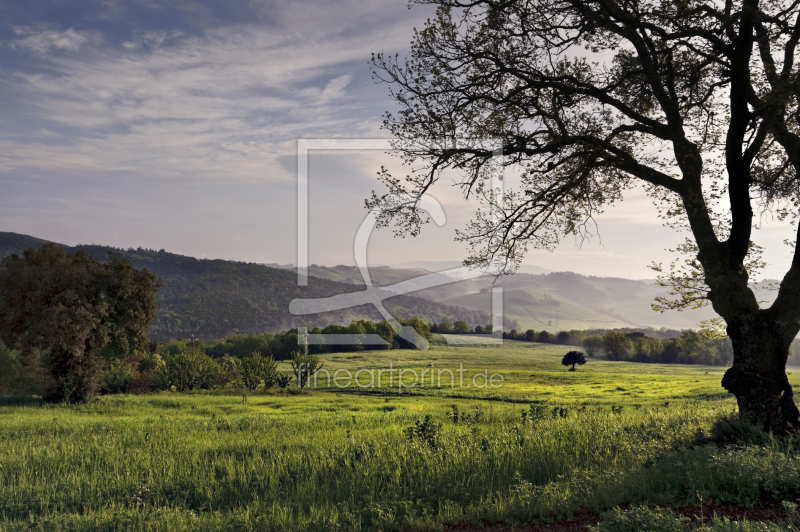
point(553, 301)
point(15, 243)
point(215, 298)
point(437, 266)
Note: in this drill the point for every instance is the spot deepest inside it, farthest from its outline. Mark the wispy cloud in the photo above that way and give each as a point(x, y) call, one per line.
point(223, 104)
point(42, 40)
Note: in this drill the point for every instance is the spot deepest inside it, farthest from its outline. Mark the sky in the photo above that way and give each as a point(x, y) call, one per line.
point(174, 125)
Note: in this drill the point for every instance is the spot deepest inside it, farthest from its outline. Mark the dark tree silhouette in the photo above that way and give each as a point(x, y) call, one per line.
point(78, 311)
point(695, 101)
point(544, 337)
point(572, 358)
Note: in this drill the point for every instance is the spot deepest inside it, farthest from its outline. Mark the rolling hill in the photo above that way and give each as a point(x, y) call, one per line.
point(552, 301)
point(215, 298)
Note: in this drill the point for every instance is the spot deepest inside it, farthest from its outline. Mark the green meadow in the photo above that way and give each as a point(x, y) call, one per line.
point(545, 445)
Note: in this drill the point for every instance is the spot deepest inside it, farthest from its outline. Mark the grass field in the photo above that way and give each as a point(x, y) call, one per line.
point(371, 458)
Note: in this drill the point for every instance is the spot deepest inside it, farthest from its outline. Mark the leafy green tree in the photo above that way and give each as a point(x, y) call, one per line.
point(149, 363)
point(240, 345)
point(118, 379)
point(695, 348)
point(304, 367)
point(10, 364)
point(460, 327)
point(617, 346)
point(422, 328)
point(80, 311)
point(188, 371)
point(593, 344)
point(387, 332)
point(572, 358)
point(576, 337)
point(669, 353)
point(544, 337)
point(231, 369)
point(530, 335)
point(360, 330)
point(445, 326)
point(284, 344)
point(694, 101)
point(19, 374)
point(256, 369)
point(647, 349)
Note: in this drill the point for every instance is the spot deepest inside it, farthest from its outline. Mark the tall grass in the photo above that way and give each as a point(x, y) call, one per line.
point(333, 460)
point(352, 468)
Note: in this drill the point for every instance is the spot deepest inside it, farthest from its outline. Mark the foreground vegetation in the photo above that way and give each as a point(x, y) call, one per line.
point(372, 459)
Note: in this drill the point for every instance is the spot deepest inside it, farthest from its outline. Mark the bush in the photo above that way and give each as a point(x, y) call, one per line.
point(118, 379)
point(426, 430)
point(730, 430)
point(187, 371)
point(283, 380)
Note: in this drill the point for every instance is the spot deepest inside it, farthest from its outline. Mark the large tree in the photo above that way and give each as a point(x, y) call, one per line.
point(695, 101)
point(77, 311)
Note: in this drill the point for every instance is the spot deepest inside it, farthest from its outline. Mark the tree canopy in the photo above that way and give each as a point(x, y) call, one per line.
point(572, 358)
point(694, 101)
point(78, 310)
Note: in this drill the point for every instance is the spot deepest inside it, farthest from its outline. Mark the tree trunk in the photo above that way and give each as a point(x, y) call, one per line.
point(758, 375)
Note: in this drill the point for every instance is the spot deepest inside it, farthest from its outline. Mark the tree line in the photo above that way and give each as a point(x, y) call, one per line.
point(687, 347)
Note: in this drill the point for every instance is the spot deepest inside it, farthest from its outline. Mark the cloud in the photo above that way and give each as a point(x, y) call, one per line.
point(219, 106)
point(43, 41)
point(153, 39)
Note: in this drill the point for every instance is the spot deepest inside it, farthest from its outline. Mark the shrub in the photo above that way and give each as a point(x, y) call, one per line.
point(187, 371)
point(283, 380)
point(730, 430)
point(426, 430)
point(118, 379)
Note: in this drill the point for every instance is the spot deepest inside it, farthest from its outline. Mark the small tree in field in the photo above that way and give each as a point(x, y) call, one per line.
point(189, 370)
point(257, 368)
point(572, 358)
point(304, 366)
